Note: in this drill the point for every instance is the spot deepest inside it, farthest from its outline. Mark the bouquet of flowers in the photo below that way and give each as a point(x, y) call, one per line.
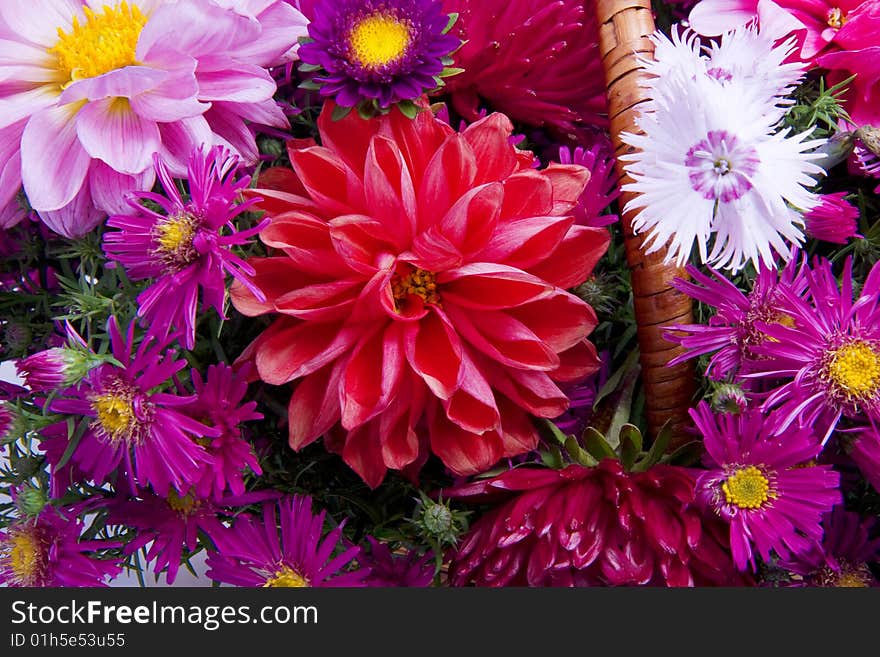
point(302, 293)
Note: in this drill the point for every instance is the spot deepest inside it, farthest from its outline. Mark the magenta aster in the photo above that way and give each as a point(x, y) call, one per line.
point(763, 483)
point(218, 404)
point(833, 220)
point(864, 450)
point(131, 426)
point(597, 526)
point(602, 187)
point(841, 559)
point(396, 569)
point(375, 53)
point(47, 551)
point(732, 333)
point(187, 247)
point(251, 553)
point(830, 356)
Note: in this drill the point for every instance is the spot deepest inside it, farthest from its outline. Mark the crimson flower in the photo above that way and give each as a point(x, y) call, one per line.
point(420, 276)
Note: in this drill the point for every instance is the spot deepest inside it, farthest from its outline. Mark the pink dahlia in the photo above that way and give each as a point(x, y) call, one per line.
point(763, 483)
point(130, 426)
point(828, 356)
point(46, 551)
point(287, 549)
point(597, 526)
point(218, 404)
point(421, 276)
point(540, 66)
point(733, 331)
point(187, 247)
point(92, 90)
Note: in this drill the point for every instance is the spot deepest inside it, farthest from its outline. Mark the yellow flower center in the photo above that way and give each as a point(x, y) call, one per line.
point(850, 576)
point(115, 415)
point(286, 577)
point(379, 39)
point(105, 42)
point(835, 18)
point(854, 369)
point(173, 239)
point(418, 282)
point(747, 488)
point(183, 505)
point(23, 555)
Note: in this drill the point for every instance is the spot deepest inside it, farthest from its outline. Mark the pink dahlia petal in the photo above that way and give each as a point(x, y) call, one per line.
point(111, 131)
point(75, 219)
point(18, 15)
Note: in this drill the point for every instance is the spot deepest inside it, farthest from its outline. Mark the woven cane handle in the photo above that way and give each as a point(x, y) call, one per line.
point(624, 26)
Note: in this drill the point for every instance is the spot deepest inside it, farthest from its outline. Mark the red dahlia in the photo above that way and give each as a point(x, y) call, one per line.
point(597, 526)
point(420, 276)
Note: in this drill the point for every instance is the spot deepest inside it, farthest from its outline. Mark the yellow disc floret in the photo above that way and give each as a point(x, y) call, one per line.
point(747, 488)
point(22, 554)
point(854, 370)
point(378, 39)
point(115, 418)
point(105, 42)
point(286, 577)
point(173, 240)
point(418, 282)
point(835, 18)
point(183, 504)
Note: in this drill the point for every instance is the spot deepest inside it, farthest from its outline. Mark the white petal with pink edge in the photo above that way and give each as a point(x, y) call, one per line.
point(111, 131)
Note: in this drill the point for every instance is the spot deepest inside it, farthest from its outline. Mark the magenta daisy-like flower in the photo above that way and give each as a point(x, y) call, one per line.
point(375, 53)
point(218, 404)
point(47, 551)
point(602, 187)
point(252, 553)
point(732, 333)
point(841, 559)
point(763, 484)
point(829, 357)
point(395, 569)
point(864, 450)
point(130, 426)
point(187, 247)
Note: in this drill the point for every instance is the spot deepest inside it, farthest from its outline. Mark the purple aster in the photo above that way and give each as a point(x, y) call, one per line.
point(251, 553)
point(377, 52)
point(864, 450)
point(218, 404)
point(7, 421)
point(834, 220)
point(395, 569)
point(763, 484)
point(184, 247)
point(829, 358)
point(842, 558)
point(602, 187)
point(732, 333)
point(47, 551)
point(169, 524)
point(130, 425)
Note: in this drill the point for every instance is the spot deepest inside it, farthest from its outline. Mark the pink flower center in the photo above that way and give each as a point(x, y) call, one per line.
point(721, 167)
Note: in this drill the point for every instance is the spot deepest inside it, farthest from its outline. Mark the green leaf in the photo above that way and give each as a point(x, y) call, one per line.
point(552, 458)
point(658, 448)
point(686, 455)
point(309, 68)
point(557, 433)
point(613, 380)
point(630, 445)
point(578, 453)
point(624, 405)
point(452, 18)
point(309, 85)
point(409, 109)
point(597, 446)
point(449, 71)
point(73, 441)
point(340, 112)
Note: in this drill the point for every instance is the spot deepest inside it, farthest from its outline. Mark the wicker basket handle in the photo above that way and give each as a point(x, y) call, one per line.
point(624, 27)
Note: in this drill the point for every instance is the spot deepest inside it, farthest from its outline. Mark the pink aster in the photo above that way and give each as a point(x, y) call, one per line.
point(287, 548)
point(419, 277)
point(92, 90)
point(186, 248)
point(129, 426)
point(601, 190)
point(218, 404)
point(834, 220)
point(762, 483)
point(732, 332)
point(828, 358)
point(538, 65)
point(863, 447)
point(46, 551)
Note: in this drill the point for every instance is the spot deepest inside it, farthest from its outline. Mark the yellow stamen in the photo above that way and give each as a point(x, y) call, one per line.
point(286, 577)
point(105, 42)
point(183, 505)
point(115, 415)
point(23, 554)
point(854, 369)
point(747, 488)
point(835, 18)
point(173, 239)
point(378, 40)
point(418, 282)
